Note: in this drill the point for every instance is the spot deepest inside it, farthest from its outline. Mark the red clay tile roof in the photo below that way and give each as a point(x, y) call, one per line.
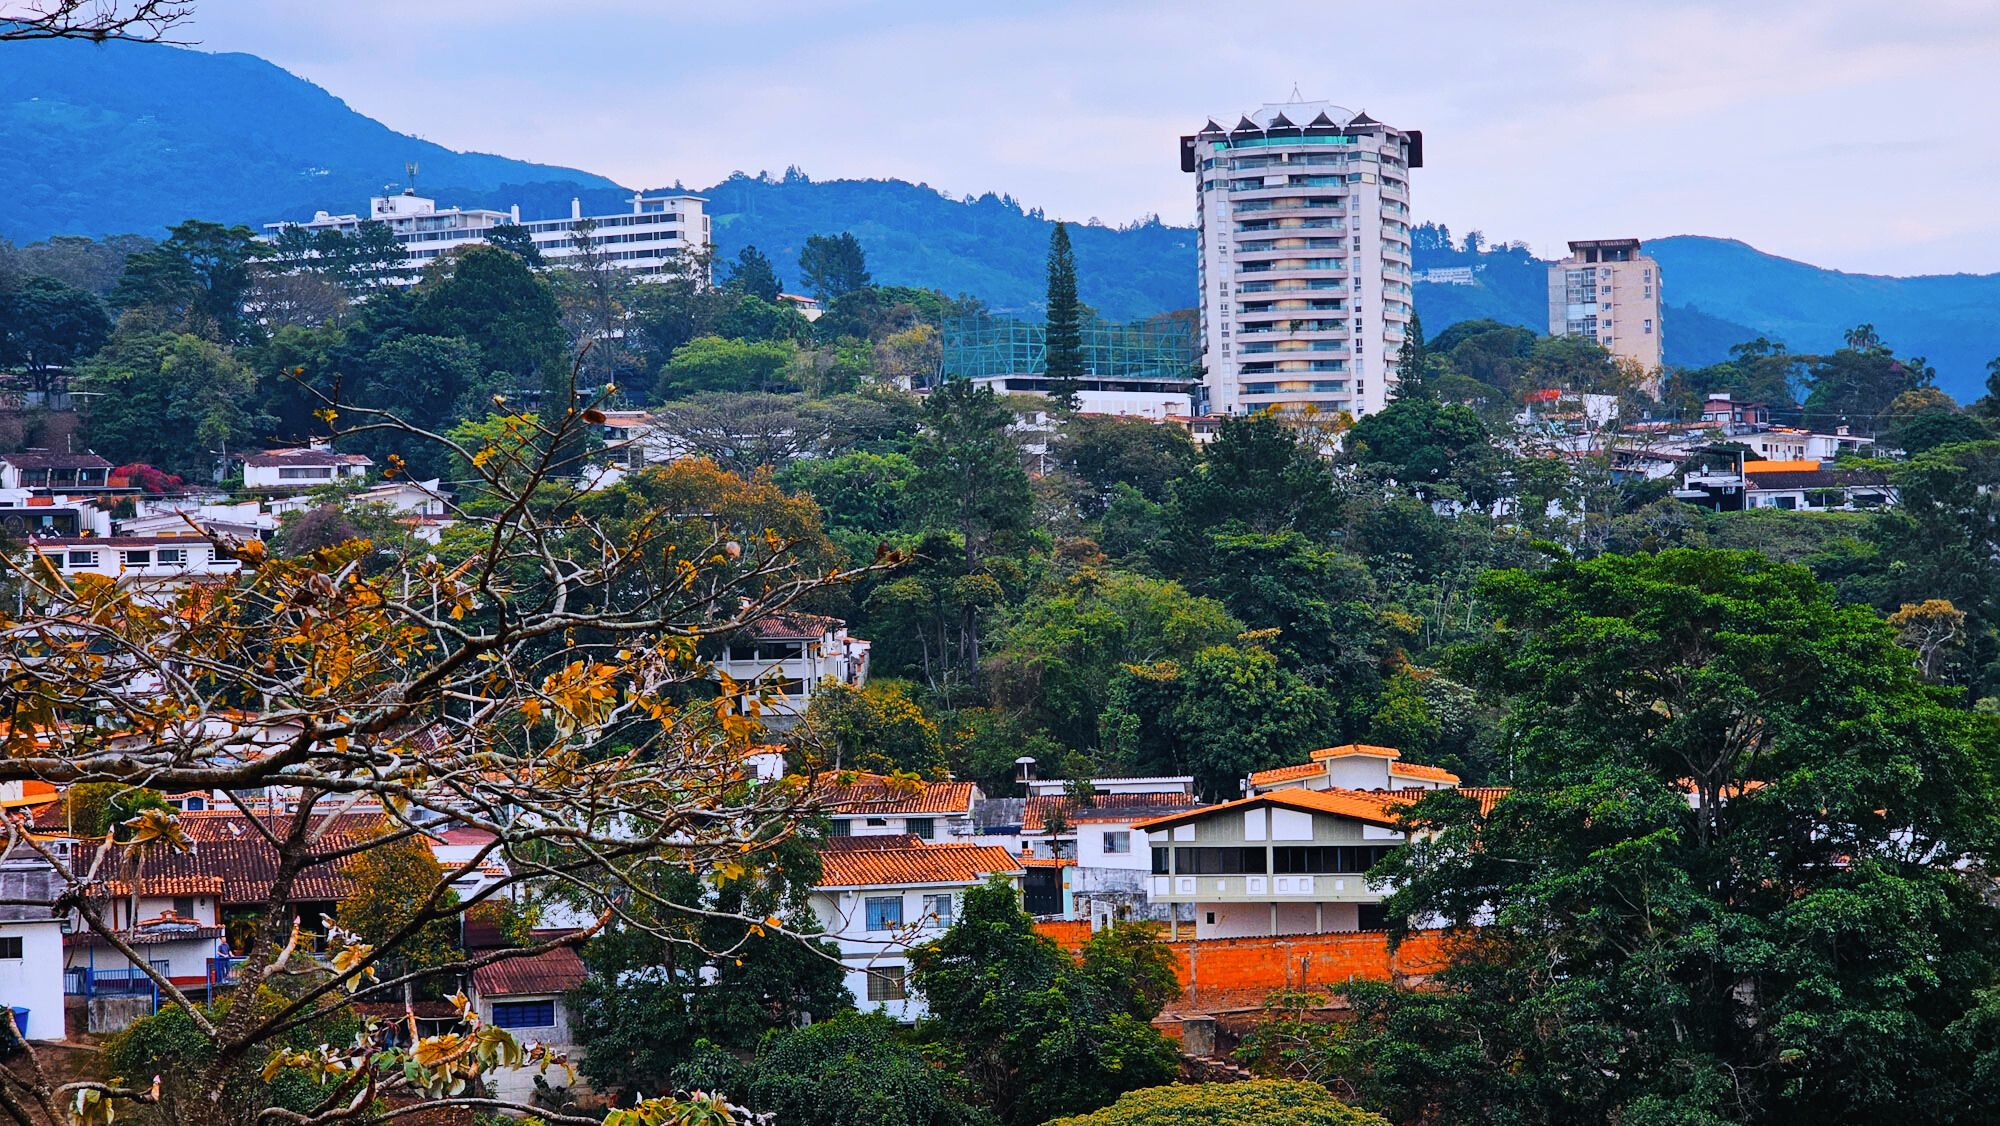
point(49, 459)
point(1348, 749)
point(1373, 806)
point(1102, 808)
point(789, 626)
point(1287, 773)
point(553, 971)
point(246, 864)
point(1426, 773)
point(885, 840)
point(878, 795)
point(922, 864)
point(304, 456)
point(152, 885)
point(1486, 796)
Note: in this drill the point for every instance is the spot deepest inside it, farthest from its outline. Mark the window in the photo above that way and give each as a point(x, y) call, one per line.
point(171, 556)
point(304, 473)
point(1218, 861)
point(1373, 917)
point(1320, 859)
point(1649, 326)
point(10, 947)
point(524, 1014)
point(885, 912)
point(938, 908)
point(925, 827)
point(138, 559)
point(1117, 842)
point(184, 906)
point(1160, 861)
point(82, 559)
point(840, 827)
point(878, 822)
point(886, 984)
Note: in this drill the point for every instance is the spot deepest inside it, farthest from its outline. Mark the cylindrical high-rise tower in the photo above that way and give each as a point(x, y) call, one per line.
point(1304, 210)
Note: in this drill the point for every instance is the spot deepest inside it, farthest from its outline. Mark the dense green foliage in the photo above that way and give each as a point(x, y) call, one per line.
point(1262, 1102)
point(1036, 1033)
point(857, 1069)
point(1727, 885)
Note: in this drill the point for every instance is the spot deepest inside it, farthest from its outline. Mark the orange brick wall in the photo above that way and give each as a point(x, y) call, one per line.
point(1238, 972)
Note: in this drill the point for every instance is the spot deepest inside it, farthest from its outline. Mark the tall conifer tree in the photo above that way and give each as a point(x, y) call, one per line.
point(1065, 323)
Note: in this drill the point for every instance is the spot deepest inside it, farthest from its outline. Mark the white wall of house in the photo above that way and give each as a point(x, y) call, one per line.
point(518, 1083)
point(167, 558)
point(924, 910)
point(300, 476)
point(34, 981)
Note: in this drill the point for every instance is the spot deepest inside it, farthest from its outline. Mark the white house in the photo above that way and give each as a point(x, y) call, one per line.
point(24, 513)
point(778, 662)
point(46, 472)
point(1108, 876)
point(304, 467)
point(31, 947)
point(1290, 861)
point(162, 560)
point(1351, 766)
point(876, 805)
point(524, 995)
point(879, 897)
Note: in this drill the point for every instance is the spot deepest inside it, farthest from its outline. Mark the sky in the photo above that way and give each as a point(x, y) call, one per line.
point(1848, 133)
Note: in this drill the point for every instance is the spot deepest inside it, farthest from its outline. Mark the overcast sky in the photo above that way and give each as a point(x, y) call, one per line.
point(1850, 133)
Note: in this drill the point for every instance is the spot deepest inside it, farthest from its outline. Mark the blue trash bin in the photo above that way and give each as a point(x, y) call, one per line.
point(8, 1045)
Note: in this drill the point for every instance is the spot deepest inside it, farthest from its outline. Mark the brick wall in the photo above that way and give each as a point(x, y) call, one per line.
point(1236, 973)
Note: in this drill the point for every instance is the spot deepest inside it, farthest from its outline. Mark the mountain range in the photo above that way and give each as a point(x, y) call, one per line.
point(119, 138)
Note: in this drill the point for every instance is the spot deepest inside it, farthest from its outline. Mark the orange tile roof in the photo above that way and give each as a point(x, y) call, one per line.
point(168, 886)
point(1363, 805)
point(1486, 796)
point(1103, 807)
point(922, 864)
point(1346, 750)
point(1286, 773)
point(1805, 466)
point(879, 795)
point(1427, 773)
point(551, 971)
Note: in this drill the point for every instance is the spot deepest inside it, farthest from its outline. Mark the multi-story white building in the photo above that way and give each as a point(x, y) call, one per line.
point(649, 239)
point(878, 898)
point(1304, 211)
point(1608, 291)
point(779, 662)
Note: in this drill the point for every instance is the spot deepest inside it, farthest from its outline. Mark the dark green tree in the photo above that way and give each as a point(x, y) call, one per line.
point(833, 266)
point(970, 479)
point(1036, 1033)
point(47, 327)
point(753, 276)
point(515, 239)
point(490, 299)
point(1439, 450)
point(655, 988)
point(855, 1070)
point(176, 401)
point(1413, 361)
point(196, 279)
point(1101, 452)
point(1063, 345)
point(1729, 884)
point(1223, 713)
point(1259, 1102)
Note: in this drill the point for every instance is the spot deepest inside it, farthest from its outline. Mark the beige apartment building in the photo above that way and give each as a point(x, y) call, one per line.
point(1304, 213)
point(1608, 290)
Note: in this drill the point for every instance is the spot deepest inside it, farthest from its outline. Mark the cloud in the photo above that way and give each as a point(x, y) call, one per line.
point(1838, 131)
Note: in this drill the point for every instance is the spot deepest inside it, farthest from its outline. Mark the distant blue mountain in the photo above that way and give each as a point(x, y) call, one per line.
point(1721, 292)
point(128, 138)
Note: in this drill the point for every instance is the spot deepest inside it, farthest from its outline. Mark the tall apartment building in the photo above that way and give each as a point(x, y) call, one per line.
point(1608, 290)
point(646, 240)
point(1304, 211)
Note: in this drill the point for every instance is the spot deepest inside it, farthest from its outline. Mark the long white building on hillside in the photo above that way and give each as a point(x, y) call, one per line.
point(1304, 211)
point(647, 240)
